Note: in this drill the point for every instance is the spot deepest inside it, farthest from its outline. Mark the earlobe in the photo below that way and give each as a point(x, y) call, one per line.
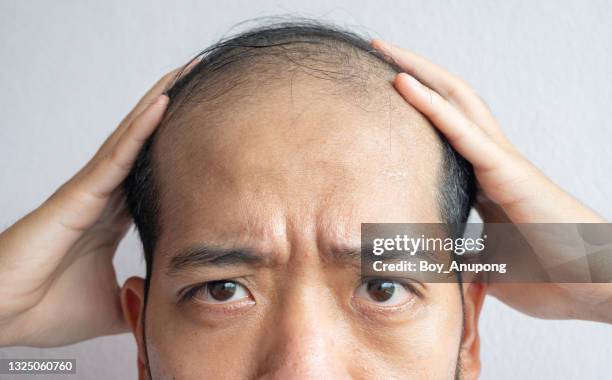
point(132, 303)
point(473, 294)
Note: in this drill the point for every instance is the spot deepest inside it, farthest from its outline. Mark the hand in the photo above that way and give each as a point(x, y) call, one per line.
point(510, 188)
point(57, 281)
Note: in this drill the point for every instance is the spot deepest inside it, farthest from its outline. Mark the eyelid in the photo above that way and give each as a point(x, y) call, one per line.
point(367, 305)
point(188, 293)
point(409, 284)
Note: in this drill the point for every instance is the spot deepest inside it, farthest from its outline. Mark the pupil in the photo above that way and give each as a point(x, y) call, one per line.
point(222, 290)
point(381, 290)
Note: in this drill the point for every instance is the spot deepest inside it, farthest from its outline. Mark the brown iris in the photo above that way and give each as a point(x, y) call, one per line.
point(222, 290)
point(381, 290)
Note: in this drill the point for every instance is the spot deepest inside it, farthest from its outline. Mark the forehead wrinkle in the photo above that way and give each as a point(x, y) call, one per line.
point(248, 232)
point(338, 235)
point(260, 153)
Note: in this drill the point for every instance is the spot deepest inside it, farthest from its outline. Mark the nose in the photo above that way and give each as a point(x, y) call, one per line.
point(307, 339)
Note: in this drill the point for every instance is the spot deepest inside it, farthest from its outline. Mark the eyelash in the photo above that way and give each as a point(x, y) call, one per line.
point(189, 293)
point(407, 284)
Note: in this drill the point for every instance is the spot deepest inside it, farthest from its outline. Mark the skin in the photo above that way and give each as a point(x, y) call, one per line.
point(293, 186)
point(511, 189)
point(59, 257)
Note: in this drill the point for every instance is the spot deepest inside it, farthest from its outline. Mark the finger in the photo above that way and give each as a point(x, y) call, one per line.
point(446, 84)
point(108, 173)
point(81, 201)
point(467, 139)
point(427, 72)
point(52, 228)
point(142, 104)
point(162, 85)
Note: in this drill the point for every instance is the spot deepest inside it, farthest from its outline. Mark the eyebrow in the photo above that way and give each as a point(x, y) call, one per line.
point(207, 255)
point(431, 256)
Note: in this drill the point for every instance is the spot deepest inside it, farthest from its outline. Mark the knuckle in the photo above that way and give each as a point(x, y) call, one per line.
point(116, 161)
point(451, 93)
point(457, 138)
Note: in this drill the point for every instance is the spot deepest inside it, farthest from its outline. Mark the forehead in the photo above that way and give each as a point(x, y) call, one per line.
point(297, 154)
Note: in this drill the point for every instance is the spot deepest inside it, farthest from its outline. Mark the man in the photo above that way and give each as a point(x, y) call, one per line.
point(249, 198)
point(260, 191)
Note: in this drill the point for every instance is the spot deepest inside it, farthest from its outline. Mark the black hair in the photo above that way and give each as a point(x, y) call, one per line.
point(322, 50)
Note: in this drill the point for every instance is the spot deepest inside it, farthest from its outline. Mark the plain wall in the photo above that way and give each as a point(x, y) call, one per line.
point(71, 70)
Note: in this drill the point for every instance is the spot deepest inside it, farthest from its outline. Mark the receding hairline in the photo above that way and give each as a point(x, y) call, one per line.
point(217, 141)
point(342, 66)
point(238, 70)
point(215, 75)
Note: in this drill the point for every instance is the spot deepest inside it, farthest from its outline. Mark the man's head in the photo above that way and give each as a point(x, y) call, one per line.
point(276, 146)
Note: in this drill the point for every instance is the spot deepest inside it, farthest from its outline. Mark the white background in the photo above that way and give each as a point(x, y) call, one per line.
point(70, 70)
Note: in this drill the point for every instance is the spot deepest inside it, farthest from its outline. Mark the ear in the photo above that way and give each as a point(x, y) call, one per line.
point(132, 303)
point(473, 294)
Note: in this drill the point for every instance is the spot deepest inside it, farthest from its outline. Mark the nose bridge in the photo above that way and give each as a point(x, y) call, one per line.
point(305, 334)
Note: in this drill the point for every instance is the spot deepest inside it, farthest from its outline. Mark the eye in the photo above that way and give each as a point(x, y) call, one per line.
point(384, 292)
point(218, 292)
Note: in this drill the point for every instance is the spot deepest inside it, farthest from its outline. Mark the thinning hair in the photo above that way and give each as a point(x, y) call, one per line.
point(236, 65)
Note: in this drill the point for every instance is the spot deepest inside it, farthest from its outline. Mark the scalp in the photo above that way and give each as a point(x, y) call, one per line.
point(317, 93)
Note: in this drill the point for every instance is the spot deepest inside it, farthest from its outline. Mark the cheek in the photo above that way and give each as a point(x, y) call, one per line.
point(179, 347)
point(426, 346)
